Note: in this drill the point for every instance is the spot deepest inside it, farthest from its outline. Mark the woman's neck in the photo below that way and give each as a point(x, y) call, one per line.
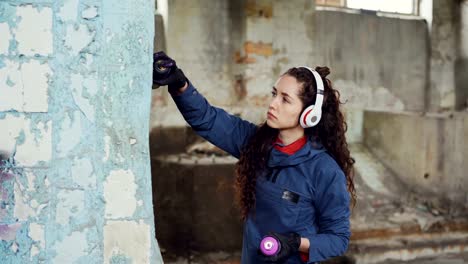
point(290, 135)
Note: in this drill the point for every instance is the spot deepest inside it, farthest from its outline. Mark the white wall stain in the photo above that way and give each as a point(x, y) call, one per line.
point(36, 232)
point(5, 39)
point(129, 238)
point(78, 37)
point(107, 140)
point(24, 86)
point(34, 79)
point(34, 149)
point(119, 194)
point(34, 23)
point(90, 12)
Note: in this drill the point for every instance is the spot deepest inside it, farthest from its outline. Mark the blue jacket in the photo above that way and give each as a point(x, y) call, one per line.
point(304, 193)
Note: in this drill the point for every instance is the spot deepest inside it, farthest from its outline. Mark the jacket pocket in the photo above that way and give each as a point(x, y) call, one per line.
point(276, 208)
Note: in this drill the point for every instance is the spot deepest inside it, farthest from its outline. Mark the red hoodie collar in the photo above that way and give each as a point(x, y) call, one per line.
point(291, 148)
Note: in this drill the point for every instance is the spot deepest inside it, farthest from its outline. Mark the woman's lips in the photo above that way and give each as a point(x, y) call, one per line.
point(271, 116)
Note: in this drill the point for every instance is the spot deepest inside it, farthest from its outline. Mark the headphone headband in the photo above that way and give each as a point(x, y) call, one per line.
point(312, 114)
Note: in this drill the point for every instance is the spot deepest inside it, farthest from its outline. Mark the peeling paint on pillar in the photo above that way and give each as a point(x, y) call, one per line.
point(75, 91)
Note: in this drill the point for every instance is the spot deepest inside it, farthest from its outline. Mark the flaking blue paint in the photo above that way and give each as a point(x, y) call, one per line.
point(12, 48)
point(7, 13)
point(120, 259)
point(21, 138)
point(6, 189)
point(9, 82)
point(116, 65)
point(16, 248)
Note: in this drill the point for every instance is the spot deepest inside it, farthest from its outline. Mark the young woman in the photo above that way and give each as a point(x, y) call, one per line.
point(294, 175)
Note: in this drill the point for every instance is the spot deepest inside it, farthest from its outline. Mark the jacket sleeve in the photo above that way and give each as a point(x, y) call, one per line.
point(332, 203)
point(226, 131)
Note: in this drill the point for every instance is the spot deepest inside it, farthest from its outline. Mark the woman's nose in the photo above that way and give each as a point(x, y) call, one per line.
point(272, 104)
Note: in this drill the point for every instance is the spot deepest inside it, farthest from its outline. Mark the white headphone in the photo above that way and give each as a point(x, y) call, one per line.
point(312, 114)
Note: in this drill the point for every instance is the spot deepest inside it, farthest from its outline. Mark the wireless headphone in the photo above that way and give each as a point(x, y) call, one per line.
point(312, 114)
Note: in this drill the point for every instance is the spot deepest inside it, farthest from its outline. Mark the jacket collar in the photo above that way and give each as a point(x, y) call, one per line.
point(291, 148)
point(308, 151)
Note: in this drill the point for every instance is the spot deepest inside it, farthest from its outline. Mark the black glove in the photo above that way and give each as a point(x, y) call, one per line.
point(289, 245)
point(166, 72)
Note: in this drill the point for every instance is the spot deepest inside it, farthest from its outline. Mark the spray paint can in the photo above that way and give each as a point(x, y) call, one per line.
point(269, 246)
point(160, 68)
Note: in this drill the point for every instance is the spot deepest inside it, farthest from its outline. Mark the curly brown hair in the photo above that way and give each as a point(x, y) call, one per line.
point(330, 131)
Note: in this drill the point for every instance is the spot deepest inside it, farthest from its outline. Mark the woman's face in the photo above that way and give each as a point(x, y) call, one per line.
point(285, 106)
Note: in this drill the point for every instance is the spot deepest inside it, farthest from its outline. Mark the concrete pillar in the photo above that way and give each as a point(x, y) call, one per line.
point(443, 53)
point(75, 84)
point(462, 60)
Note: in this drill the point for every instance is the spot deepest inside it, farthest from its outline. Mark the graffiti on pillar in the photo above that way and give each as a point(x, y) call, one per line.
point(6, 193)
point(14, 238)
point(8, 227)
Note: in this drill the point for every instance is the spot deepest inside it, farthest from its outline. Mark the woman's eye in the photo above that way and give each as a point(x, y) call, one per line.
point(285, 100)
point(273, 94)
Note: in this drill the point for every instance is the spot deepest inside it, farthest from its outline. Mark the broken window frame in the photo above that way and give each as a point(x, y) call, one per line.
point(343, 4)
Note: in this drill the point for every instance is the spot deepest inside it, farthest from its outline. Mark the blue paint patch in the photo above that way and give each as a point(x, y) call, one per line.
point(13, 48)
point(20, 138)
point(23, 59)
point(89, 12)
point(16, 249)
point(9, 82)
point(7, 12)
point(37, 119)
point(7, 255)
point(6, 195)
point(24, 243)
point(14, 113)
point(9, 165)
point(40, 6)
point(120, 259)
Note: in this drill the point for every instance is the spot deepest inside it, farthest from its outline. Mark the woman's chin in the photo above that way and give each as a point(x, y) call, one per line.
point(271, 124)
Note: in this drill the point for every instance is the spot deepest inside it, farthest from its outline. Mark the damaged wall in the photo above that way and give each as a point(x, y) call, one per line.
point(75, 80)
point(461, 66)
point(427, 152)
point(236, 63)
point(378, 62)
point(443, 51)
point(391, 64)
